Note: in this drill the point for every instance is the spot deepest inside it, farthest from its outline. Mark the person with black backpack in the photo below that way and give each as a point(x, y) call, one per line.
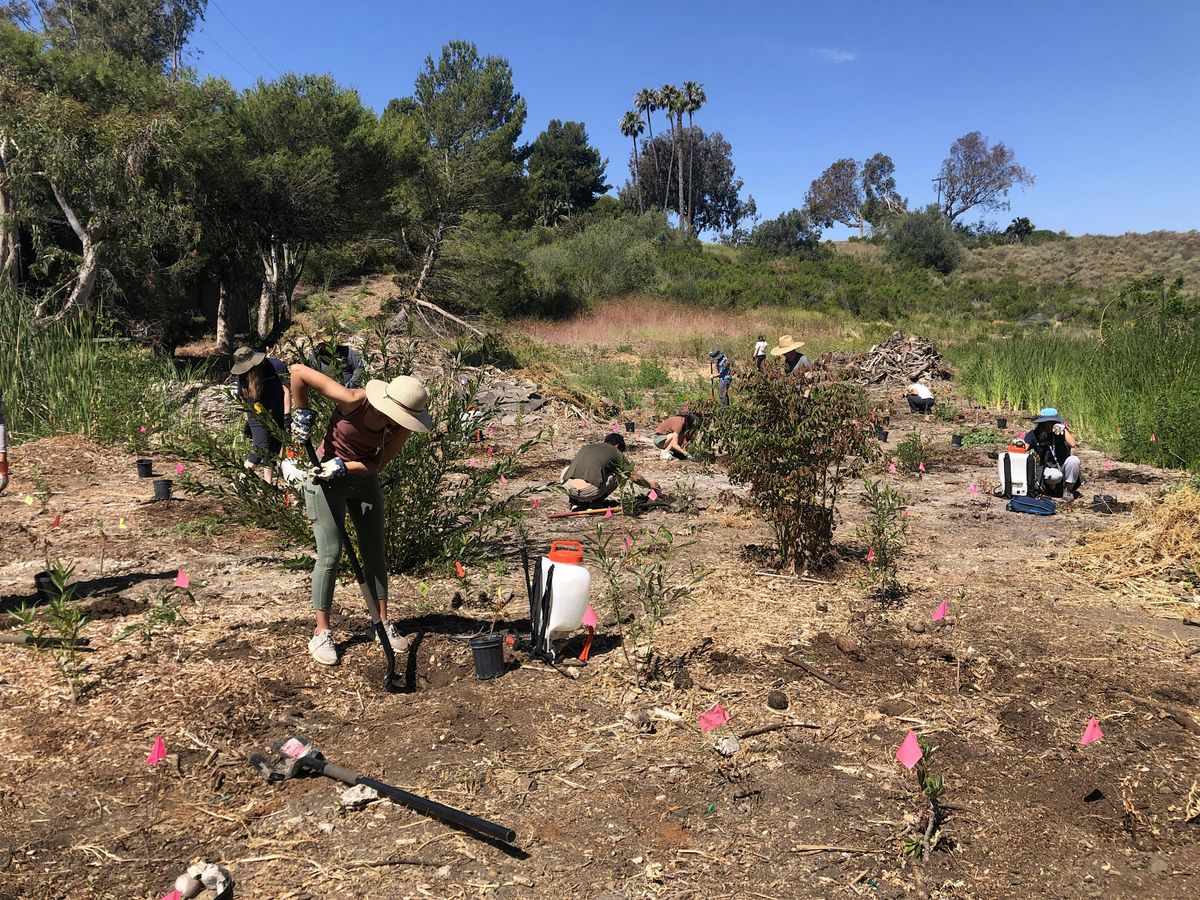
point(1054, 445)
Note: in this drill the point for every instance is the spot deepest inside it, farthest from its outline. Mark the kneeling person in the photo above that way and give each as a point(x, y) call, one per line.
point(1054, 445)
point(597, 470)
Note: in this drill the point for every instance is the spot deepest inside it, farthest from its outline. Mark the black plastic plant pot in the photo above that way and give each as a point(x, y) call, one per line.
point(488, 650)
point(162, 489)
point(956, 440)
point(145, 468)
point(1001, 423)
point(882, 435)
point(629, 427)
point(46, 589)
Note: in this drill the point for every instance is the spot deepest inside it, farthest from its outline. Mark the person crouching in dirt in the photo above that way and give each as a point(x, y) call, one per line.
point(597, 471)
point(339, 361)
point(366, 431)
point(920, 397)
point(3, 449)
point(672, 433)
point(1054, 445)
point(261, 383)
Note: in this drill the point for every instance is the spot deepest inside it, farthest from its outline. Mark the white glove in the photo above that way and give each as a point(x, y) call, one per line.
point(328, 471)
point(292, 473)
point(1060, 428)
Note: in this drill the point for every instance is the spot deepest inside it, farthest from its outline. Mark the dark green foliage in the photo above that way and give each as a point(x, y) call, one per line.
point(566, 174)
point(884, 533)
point(795, 455)
point(790, 234)
point(914, 453)
point(924, 239)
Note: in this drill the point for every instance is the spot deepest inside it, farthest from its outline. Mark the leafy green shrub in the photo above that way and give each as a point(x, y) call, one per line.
point(914, 452)
point(789, 234)
point(64, 624)
point(795, 455)
point(982, 437)
point(884, 532)
point(925, 240)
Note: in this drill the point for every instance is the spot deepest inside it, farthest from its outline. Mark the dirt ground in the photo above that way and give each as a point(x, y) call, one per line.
point(611, 787)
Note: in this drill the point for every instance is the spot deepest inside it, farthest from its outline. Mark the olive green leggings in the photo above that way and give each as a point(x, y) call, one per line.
point(363, 498)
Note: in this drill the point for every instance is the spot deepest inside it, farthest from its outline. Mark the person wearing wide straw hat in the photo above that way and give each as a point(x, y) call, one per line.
point(367, 429)
point(1054, 445)
point(794, 362)
point(261, 386)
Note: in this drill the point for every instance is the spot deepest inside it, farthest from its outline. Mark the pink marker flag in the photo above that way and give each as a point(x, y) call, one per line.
point(1153, 437)
point(472, 462)
point(157, 753)
point(536, 502)
point(909, 753)
point(143, 429)
point(653, 495)
point(1108, 464)
point(503, 480)
point(892, 469)
point(589, 617)
point(181, 579)
point(628, 543)
point(685, 407)
point(1092, 732)
point(714, 718)
point(973, 489)
point(608, 513)
point(174, 895)
point(940, 612)
point(929, 418)
point(921, 466)
point(57, 521)
point(871, 555)
point(178, 468)
point(616, 427)
point(491, 451)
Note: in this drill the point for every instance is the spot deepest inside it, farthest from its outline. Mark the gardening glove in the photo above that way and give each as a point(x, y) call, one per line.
point(1060, 428)
point(328, 471)
point(302, 423)
point(292, 473)
point(3, 475)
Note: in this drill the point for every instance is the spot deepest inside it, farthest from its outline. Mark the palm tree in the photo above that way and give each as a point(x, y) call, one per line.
point(694, 98)
point(671, 100)
point(631, 127)
point(648, 101)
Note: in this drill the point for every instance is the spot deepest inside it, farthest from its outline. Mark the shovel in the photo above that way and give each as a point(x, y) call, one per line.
point(391, 682)
point(295, 756)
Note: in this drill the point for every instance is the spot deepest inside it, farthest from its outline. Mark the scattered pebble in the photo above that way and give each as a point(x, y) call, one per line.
point(728, 746)
point(916, 627)
point(358, 797)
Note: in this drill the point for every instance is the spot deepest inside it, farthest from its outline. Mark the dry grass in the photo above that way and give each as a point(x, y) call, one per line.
point(1162, 541)
point(1097, 262)
point(665, 329)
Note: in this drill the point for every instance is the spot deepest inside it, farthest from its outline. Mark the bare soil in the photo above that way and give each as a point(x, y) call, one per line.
point(605, 806)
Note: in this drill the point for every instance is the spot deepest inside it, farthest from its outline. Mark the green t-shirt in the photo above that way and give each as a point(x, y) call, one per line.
point(595, 462)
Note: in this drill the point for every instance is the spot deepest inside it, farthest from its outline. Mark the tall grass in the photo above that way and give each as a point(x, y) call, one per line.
point(73, 379)
point(1136, 394)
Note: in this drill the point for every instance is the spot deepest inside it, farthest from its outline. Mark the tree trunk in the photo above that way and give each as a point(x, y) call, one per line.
point(653, 148)
point(80, 297)
point(683, 222)
point(226, 316)
point(637, 176)
point(10, 235)
point(432, 253)
point(691, 191)
point(269, 295)
point(670, 169)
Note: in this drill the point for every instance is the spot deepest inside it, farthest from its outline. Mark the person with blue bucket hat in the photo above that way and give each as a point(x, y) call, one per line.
point(1054, 445)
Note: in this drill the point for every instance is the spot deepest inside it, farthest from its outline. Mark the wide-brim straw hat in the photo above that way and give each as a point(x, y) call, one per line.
point(245, 359)
point(786, 345)
point(404, 400)
point(1048, 414)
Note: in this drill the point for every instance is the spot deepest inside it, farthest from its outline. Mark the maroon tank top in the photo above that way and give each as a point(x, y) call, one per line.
point(349, 438)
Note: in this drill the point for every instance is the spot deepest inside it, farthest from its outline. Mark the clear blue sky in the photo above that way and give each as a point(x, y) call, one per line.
point(1100, 100)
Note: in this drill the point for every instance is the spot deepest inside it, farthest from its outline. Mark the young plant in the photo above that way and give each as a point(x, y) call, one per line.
point(795, 453)
point(161, 614)
point(930, 786)
point(914, 452)
point(884, 532)
point(64, 621)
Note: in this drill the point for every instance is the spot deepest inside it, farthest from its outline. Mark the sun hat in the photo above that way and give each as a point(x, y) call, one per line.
point(1048, 414)
point(404, 400)
point(786, 345)
point(715, 353)
point(245, 359)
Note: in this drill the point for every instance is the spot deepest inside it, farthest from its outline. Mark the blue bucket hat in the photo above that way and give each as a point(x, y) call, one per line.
point(1048, 414)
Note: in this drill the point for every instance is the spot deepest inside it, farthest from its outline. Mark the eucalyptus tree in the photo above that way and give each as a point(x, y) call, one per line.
point(977, 173)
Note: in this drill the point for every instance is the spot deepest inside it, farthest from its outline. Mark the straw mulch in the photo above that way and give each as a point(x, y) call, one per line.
point(1161, 541)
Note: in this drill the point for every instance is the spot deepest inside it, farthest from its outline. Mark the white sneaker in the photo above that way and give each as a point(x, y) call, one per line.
point(665, 454)
point(322, 648)
point(398, 641)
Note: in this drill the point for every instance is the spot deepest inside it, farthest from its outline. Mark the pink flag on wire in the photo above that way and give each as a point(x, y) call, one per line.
point(714, 718)
point(628, 543)
point(181, 579)
point(909, 752)
point(536, 502)
point(940, 612)
point(608, 513)
point(892, 469)
point(57, 521)
point(174, 895)
point(871, 555)
point(1092, 732)
point(589, 617)
point(503, 480)
point(921, 466)
point(178, 468)
point(653, 495)
point(157, 753)
point(1153, 437)
point(929, 418)
point(1108, 464)
point(973, 489)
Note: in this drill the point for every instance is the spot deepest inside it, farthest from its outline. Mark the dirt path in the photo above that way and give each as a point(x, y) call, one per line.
point(605, 806)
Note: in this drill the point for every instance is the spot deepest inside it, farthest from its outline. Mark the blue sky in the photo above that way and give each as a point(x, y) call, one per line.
point(1100, 100)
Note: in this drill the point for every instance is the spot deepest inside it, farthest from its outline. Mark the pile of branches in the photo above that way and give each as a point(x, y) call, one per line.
point(901, 358)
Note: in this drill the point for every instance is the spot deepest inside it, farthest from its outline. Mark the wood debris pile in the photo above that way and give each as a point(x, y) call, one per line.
point(902, 358)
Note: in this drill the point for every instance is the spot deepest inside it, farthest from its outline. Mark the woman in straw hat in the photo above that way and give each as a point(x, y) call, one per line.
point(367, 429)
point(794, 362)
point(261, 385)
